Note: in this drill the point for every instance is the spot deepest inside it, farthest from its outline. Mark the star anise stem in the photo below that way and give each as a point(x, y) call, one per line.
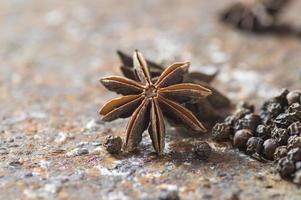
point(147, 101)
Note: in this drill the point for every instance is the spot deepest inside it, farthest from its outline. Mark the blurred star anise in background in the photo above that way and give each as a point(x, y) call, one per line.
point(254, 15)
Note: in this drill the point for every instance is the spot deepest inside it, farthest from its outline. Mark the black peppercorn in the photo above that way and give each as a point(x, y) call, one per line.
point(242, 124)
point(241, 137)
point(254, 120)
point(249, 121)
point(294, 142)
point(280, 152)
point(221, 131)
point(269, 147)
point(294, 154)
point(280, 135)
point(285, 119)
point(295, 128)
point(203, 151)
point(230, 120)
point(254, 145)
point(266, 117)
point(113, 144)
point(263, 131)
point(295, 110)
point(241, 112)
point(286, 167)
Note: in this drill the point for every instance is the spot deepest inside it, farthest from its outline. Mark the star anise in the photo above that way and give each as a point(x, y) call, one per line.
point(248, 15)
point(147, 100)
point(254, 15)
point(211, 109)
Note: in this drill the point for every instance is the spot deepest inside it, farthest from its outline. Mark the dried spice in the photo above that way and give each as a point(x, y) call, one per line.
point(286, 167)
point(294, 154)
point(241, 137)
point(295, 110)
point(248, 16)
point(278, 124)
point(203, 151)
point(269, 147)
point(221, 131)
point(280, 135)
point(295, 128)
point(293, 142)
point(254, 145)
point(113, 144)
point(147, 100)
point(280, 152)
point(263, 131)
point(253, 15)
point(249, 121)
point(211, 109)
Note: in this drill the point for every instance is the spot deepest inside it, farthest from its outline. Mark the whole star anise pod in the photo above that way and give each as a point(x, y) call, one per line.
point(147, 100)
point(249, 15)
point(254, 15)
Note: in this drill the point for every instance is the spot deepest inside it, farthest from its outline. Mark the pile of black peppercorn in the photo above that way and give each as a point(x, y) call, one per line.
point(273, 134)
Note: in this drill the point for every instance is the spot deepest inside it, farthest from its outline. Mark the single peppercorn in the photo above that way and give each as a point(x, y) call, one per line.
point(295, 128)
point(295, 111)
point(280, 152)
point(203, 151)
point(286, 167)
point(284, 120)
point(249, 121)
point(113, 144)
point(240, 113)
point(294, 154)
point(254, 145)
point(280, 135)
point(266, 117)
point(241, 124)
point(293, 97)
point(294, 142)
point(230, 120)
point(269, 147)
point(241, 137)
point(274, 109)
point(263, 131)
point(221, 131)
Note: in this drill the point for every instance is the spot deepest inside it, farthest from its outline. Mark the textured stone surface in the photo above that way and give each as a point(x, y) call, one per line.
point(52, 54)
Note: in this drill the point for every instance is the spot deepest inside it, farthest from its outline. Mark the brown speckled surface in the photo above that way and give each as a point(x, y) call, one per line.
point(51, 57)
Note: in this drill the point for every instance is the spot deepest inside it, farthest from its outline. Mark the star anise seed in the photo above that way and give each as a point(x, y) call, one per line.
point(146, 101)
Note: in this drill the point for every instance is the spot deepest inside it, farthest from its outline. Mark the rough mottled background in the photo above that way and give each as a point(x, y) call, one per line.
point(52, 53)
